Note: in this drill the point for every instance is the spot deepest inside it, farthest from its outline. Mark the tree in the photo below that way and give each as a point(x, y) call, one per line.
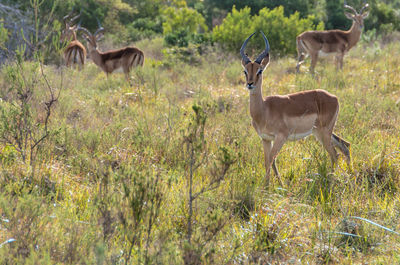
point(280, 30)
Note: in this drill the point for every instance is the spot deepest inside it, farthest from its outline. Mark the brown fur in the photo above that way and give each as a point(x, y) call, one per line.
point(127, 57)
point(74, 48)
point(278, 119)
point(329, 41)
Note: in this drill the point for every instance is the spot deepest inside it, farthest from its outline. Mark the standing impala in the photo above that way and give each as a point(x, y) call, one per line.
point(278, 119)
point(125, 58)
point(75, 52)
point(315, 43)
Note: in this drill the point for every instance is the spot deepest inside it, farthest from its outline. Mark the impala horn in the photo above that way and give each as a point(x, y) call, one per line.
point(350, 7)
point(87, 32)
point(364, 7)
point(244, 56)
point(74, 18)
point(100, 29)
point(265, 52)
point(66, 17)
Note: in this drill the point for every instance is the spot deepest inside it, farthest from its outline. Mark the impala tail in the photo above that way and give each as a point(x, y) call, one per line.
point(342, 145)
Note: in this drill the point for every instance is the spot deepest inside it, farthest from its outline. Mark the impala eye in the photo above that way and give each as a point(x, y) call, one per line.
point(245, 72)
point(259, 71)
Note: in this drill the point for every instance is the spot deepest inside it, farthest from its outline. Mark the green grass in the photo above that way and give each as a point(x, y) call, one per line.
point(116, 151)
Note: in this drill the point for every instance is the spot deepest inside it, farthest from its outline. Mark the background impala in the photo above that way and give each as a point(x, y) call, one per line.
point(315, 43)
point(75, 52)
point(109, 61)
point(111, 182)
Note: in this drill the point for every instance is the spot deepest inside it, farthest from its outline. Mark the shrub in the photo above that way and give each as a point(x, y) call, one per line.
point(181, 25)
point(280, 30)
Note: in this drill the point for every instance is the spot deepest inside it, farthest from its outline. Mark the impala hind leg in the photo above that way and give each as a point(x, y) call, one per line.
point(67, 58)
point(82, 59)
point(300, 61)
point(314, 59)
point(301, 53)
point(325, 137)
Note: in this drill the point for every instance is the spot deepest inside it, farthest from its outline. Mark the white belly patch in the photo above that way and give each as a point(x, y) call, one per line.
point(267, 137)
point(298, 136)
point(118, 70)
point(324, 54)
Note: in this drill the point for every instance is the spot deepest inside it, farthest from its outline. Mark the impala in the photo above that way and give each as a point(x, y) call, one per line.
point(125, 58)
point(278, 119)
point(315, 43)
point(75, 52)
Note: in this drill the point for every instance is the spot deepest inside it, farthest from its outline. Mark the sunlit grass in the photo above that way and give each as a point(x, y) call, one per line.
point(103, 125)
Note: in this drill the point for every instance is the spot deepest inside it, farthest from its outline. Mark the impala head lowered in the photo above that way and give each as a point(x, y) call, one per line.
point(253, 70)
point(358, 18)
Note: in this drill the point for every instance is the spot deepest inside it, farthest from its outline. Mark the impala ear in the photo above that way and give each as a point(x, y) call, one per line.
point(348, 15)
point(245, 60)
point(365, 14)
point(265, 61)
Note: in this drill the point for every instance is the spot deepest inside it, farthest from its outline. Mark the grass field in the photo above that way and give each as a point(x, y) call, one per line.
point(169, 170)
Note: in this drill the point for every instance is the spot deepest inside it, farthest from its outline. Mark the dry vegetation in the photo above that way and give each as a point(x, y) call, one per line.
point(110, 184)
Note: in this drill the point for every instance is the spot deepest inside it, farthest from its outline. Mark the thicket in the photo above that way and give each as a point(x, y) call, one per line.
point(191, 23)
point(169, 170)
point(238, 25)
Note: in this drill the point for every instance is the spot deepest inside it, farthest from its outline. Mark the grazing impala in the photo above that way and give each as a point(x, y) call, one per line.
point(278, 119)
point(75, 52)
point(125, 58)
point(315, 43)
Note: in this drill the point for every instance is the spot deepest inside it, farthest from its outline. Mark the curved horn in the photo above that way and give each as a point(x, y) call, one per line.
point(100, 29)
point(364, 7)
point(350, 7)
point(74, 18)
point(66, 17)
point(83, 29)
point(244, 56)
point(265, 52)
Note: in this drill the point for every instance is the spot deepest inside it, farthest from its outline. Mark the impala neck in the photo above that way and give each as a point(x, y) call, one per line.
point(95, 55)
point(354, 33)
point(257, 102)
point(74, 35)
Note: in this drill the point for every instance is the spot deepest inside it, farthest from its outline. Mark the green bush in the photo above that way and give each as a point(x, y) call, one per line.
point(383, 18)
point(280, 30)
point(183, 19)
point(182, 25)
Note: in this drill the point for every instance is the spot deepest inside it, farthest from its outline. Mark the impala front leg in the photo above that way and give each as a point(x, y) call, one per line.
point(267, 145)
point(270, 155)
point(339, 60)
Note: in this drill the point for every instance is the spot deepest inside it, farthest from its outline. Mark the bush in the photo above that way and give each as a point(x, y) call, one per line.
point(182, 25)
point(280, 30)
point(383, 18)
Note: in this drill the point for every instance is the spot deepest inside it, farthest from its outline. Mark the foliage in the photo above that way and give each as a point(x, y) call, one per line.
point(4, 35)
point(111, 179)
point(335, 15)
point(238, 25)
point(181, 24)
point(383, 18)
point(112, 185)
point(20, 126)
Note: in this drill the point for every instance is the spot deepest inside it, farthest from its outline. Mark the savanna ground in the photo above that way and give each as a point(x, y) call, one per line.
point(110, 182)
